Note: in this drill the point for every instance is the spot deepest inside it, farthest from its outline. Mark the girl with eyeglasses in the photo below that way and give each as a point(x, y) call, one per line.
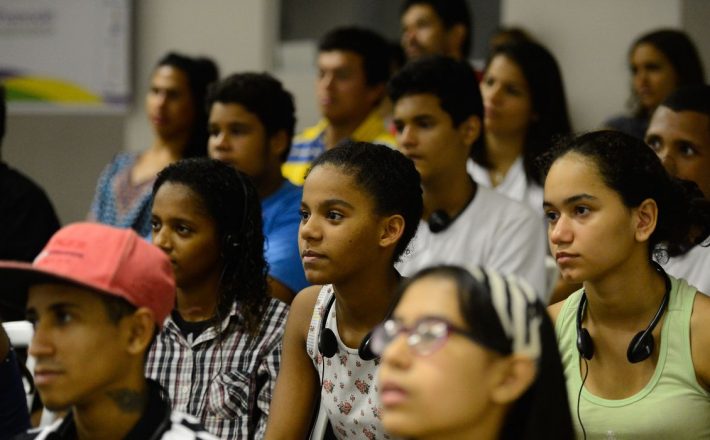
point(633, 341)
point(361, 206)
point(470, 355)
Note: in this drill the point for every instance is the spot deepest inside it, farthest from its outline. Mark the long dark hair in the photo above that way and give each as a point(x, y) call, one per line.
point(548, 102)
point(231, 200)
point(632, 169)
point(542, 412)
point(200, 73)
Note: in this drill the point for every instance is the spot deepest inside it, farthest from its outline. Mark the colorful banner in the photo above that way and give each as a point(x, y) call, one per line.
point(65, 54)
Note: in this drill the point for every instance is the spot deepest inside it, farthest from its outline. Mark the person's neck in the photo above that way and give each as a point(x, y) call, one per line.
point(450, 193)
point(626, 298)
point(484, 427)
point(364, 300)
point(503, 150)
point(337, 131)
point(170, 148)
point(269, 182)
point(198, 302)
point(113, 414)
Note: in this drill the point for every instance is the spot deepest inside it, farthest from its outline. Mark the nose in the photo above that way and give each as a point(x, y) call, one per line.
point(407, 137)
point(668, 161)
point(397, 354)
point(161, 239)
point(40, 345)
point(308, 230)
point(560, 231)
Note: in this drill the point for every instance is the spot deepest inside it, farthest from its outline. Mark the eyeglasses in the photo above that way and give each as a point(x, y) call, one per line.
point(426, 336)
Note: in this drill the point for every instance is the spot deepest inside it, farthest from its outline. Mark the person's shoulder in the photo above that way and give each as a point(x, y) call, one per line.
point(309, 134)
point(185, 427)
point(500, 207)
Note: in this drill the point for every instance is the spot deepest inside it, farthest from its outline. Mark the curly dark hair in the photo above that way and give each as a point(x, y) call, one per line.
point(231, 200)
point(387, 176)
point(548, 102)
point(631, 168)
point(260, 94)
point(200, 73)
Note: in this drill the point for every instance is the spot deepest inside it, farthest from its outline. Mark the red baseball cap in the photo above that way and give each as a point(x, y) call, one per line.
point(105, 259)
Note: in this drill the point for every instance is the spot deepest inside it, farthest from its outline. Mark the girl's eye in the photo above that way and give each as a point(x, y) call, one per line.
point(183, 229)
point(551, 216)
point(154, 225)
point(687, 150)
point(304, 214)
point(334, 215)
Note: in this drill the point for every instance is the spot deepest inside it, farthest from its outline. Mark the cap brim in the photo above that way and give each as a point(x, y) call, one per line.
point(23, 275)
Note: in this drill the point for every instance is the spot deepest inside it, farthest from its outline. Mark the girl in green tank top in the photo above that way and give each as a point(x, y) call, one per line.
point(634, 343)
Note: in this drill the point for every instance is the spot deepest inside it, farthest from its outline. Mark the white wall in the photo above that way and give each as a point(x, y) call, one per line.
point(590, 40)
point(65, 153)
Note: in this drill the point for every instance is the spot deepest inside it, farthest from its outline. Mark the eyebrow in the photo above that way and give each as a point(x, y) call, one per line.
point(570, 200)
point(335, 202)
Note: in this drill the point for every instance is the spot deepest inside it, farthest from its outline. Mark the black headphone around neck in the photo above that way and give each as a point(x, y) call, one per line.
point(641, 345)
point(439, 220)
point(328, 342)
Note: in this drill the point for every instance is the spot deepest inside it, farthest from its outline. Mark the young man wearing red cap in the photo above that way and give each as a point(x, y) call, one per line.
point(96, 296)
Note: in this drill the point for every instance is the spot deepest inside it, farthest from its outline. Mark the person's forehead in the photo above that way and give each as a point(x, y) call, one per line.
point(43, 295)
point(337, 58)
point(419, 11)
point(688, 123)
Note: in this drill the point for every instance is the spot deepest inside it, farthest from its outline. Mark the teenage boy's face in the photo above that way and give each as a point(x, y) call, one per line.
point(237, 137)
point(341, 88)
point(80, 353)
point(426, 134)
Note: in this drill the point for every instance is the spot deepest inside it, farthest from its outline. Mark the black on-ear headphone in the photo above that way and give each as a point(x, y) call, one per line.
point(231, 240)
point(438, 221)
point(641, 345)
point(328, 343)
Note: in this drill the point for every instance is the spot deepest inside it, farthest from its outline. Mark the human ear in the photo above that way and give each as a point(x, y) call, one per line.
point(470, 130)
point(278, 143)
point(138, 328)
point(516, 375)
point(392, 230)
point(645, 219)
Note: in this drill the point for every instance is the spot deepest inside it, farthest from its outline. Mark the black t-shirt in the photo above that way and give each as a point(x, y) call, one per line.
point(27, 221)
point(190, 330)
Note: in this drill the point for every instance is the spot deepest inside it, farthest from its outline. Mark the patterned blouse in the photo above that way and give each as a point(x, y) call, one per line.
point(226, 383)
point(119, 202)
point(349, 384)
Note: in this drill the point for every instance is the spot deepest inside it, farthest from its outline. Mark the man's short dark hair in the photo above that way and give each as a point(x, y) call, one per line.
point(452, 81)
point(451, 12)
point(260, 94)
point(372, 48)
point(690, 98)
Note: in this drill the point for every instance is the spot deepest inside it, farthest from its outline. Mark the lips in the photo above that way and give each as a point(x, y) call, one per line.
point(309, 256)
point(45, 376)
point(564, 257)
point(392, 394)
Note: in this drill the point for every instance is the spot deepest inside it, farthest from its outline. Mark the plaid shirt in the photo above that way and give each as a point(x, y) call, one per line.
point(227, 385)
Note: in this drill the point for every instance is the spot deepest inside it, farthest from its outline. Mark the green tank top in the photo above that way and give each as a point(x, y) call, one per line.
point(672, 405)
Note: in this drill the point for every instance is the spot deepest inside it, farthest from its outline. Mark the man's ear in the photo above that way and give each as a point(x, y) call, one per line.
point(516, 375)
point(645, 219)
point(470, 130)
point(279, 142)
point(138, 329)
point(455, 37)
point(392, 230)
